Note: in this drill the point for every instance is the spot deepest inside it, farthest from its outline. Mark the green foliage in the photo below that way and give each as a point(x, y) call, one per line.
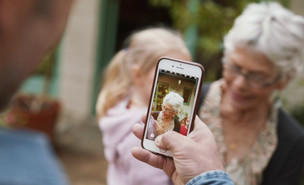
point(162, 3)
point(46, 67)
point(162, 91)
point(212, 19)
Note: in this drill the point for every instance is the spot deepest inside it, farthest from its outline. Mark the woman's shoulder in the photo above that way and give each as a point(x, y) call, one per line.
point(289, 129)
point(287, 162)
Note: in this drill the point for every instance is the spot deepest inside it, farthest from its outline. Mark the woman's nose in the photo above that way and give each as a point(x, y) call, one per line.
point(240, 82)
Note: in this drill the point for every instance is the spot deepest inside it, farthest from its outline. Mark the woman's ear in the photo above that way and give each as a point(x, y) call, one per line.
point(284, 81)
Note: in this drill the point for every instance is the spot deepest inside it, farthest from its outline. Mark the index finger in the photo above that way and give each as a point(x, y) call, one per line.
point(144, 118)
point(138, 130)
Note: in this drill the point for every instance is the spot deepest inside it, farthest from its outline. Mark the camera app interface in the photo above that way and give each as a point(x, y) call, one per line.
point(173, 103)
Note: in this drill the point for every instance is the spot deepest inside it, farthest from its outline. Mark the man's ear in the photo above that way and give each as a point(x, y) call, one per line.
point(5, 19)
point(10, 14)
point(1, 15)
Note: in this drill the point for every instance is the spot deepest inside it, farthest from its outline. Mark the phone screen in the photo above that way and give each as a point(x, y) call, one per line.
point(173, 103)
point(173, 100)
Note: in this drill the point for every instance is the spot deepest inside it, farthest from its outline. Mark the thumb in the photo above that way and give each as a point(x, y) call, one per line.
point(170, 140)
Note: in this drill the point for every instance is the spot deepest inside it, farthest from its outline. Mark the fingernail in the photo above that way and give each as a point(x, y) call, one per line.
point(158, 140)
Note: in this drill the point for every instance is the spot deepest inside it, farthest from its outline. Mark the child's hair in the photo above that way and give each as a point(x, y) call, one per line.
point(144, 49)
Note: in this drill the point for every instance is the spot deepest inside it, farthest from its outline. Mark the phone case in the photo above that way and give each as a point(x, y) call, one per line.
point(198, 94)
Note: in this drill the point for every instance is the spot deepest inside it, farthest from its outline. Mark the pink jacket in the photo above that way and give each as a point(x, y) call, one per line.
point(118, 141)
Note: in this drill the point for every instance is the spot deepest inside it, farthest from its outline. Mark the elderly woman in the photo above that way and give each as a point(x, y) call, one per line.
point(167, 119)
point(259, 143)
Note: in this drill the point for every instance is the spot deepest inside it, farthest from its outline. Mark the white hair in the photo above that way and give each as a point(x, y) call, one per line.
point(175, 100)
point(272, 30)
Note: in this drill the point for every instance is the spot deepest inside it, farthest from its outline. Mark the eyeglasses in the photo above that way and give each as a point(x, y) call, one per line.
point(168, 109)
point(254, 80)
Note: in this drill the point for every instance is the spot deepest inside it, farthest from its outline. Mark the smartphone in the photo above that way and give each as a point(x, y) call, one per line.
point(173, 100)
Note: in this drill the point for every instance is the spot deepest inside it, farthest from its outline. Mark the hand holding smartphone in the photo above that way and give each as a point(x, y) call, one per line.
point(173, 100)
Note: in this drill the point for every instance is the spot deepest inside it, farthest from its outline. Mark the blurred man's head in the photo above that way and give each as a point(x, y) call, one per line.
point(28, 30)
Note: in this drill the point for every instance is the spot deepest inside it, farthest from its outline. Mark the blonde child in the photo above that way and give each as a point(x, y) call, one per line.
point(124, 98)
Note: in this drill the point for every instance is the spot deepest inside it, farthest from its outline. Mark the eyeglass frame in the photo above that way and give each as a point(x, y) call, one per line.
point(249, 77)
point(168, 109)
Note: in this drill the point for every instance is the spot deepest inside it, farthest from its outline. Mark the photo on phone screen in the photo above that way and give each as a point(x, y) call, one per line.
point(173, 99)
point(172, 104)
